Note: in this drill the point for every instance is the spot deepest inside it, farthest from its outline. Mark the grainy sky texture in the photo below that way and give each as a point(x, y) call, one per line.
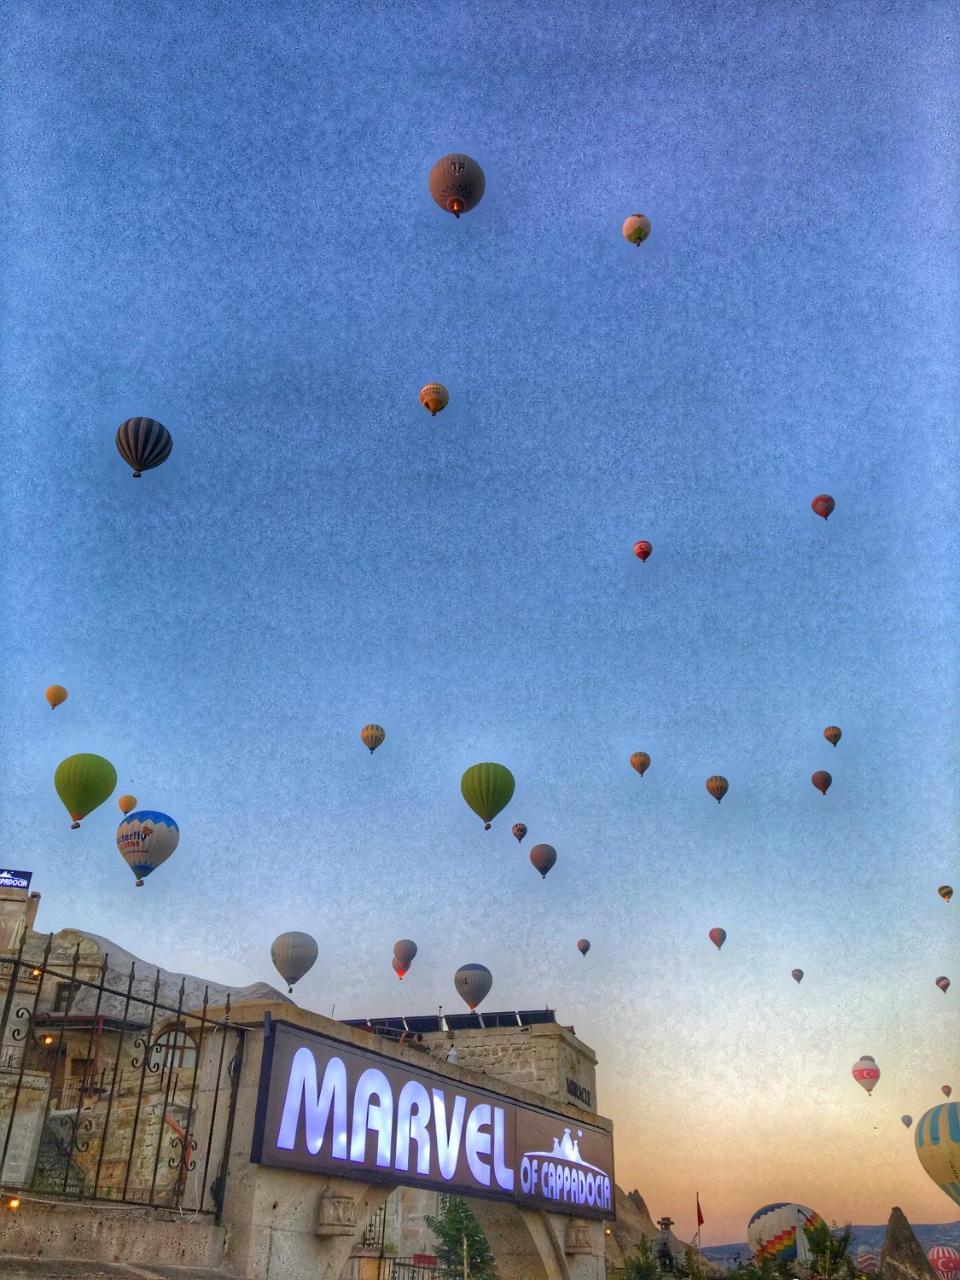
point(218, 216)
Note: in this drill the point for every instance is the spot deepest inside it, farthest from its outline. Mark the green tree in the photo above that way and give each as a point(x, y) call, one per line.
point(830, 1250)
point(644, 1265)
point(455, 1226)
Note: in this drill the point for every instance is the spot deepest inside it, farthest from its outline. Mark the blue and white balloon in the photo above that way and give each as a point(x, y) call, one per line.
point(145, 840)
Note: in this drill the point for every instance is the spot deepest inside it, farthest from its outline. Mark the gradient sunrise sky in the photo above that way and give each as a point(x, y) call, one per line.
point(218, 216)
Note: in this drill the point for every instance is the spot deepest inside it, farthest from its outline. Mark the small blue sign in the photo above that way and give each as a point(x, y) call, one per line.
point(14, 879)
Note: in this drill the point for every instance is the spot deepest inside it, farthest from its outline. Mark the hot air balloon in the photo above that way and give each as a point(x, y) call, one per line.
point(717, 786)
point(145, 840)
point(823, 505)
point(821, 780)
point(833, 734)
point(293, 954)
point(83, 782)
point(946, 1090)
point(643, 550)
point(371, 735)
point(457, 183)
point(434, 396)
point(946, 892)
point(143, 443)
point(543, 856)
point(519, 830)
point(772, 1231)
point(640, 761)
point(945, 1261)
point(583, 946)
point(718, 937)
point(403, 954)
point(796, 975)
point(487, 788)
point(943, 984)
point(127, 804)
point(473, 983)
point(866, 1073)
point(906, 1121)
point(936, 1138)
point(55, 694)
point(867, 1261)
point(398, 968)
point(636, 228)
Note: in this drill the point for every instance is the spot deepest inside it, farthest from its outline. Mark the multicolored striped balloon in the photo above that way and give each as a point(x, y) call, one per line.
point(143, 443)
point(772, 1231)
point(936, 1138)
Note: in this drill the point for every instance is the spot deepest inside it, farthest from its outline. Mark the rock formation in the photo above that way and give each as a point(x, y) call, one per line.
point(902, 1256)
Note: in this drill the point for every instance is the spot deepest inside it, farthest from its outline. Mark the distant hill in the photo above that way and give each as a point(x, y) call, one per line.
point(870, 1238)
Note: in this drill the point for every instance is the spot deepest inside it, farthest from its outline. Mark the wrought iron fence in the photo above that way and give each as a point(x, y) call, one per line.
point(413, 1269)
point(111, 1087)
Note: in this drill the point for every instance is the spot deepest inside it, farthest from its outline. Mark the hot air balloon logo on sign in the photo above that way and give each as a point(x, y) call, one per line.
point(772, 1231)
point(936, 1138)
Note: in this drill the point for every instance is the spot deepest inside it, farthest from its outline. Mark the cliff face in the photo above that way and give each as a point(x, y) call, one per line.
point(634, 1222)
point(902, 1257)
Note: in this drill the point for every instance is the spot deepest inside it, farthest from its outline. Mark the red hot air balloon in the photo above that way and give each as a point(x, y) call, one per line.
point(946, 1090)
point(821, 780)
point(642, 550)
point(717, 786)
point(943, 984)
point(833, 734)
point(583, 946)
point(823, 505)
point(866, 1073)
point(519, 830)
point(543, 856)
point(718, 937)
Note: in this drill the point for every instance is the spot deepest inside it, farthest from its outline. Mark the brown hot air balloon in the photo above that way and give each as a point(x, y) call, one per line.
point(519, 829)
point(543, 856)
point(823, 505)
point(457, 183)
point(643, 550)
point(717, 786)
point(640, 761)
point(946, 892)
point(943, 984)
point(371, 735)
point(821, 780)
point(403, 954)
point(718, 937)
point(583, 946)
point(833, 734)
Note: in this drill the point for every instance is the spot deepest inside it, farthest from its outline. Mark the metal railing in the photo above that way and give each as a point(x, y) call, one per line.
point(111, 1088)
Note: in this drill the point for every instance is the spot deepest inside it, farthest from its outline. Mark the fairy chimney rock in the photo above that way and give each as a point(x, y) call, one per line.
point(902, 1257)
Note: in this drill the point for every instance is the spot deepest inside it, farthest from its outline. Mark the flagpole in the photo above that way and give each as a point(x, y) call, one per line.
point(698, 1222)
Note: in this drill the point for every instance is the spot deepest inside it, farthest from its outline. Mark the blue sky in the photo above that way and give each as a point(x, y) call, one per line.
point(221, 220)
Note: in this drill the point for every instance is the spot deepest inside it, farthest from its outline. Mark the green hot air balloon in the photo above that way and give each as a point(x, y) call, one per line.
point(487, 788)
point(83, 782)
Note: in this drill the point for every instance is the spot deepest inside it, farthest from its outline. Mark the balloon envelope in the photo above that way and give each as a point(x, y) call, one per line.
point(143, 443)
point(796, 975)
point(55, 694)
point(146, 839)
point(640, 761)
point(946, 1090)
point(293, 954)
point(823, 505)
point(717, 786)
point(473, 983)
point(583, 946)
point(833, 734)
point(404, 952)
point(936, 1139)
point(772, 1231)
point(943, 984)
point(519, 830)
point(906, 1121)
point(945, 1261)
point(371, 735)
point(543, 856)
point(866, 1073)
point(718, 937)
point(946, 892)
point(636, 228)
point(487, 788)
point(434, 396)
point(457, 183)
point(127, 804)
point(83, 782)
point(643, 550)
point(821, 780)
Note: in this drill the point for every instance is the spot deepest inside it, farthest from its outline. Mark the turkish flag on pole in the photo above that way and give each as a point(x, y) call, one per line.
point(699, 1213)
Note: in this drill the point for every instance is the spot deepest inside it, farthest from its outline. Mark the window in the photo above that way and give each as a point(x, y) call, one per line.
point(173, 1050)
point(64, 997)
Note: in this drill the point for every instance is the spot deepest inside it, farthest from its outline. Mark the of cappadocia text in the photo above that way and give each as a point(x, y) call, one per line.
point(480, 613)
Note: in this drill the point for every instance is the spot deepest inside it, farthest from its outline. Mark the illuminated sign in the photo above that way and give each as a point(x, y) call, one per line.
point(15, 879)
point(327, 1107)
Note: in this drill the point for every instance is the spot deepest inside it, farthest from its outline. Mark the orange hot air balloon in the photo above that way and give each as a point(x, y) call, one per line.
point(717, 786)
point(636, 228)
point(718, 937)
point(821, 780)
point(434, 396)
point(371, 735)
point(943, 984)
point(127, 804)
point(643, 550)
point(832, 734)
point(640, 761)
point(55, 694)
point(823, 505)
point(946, 892)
